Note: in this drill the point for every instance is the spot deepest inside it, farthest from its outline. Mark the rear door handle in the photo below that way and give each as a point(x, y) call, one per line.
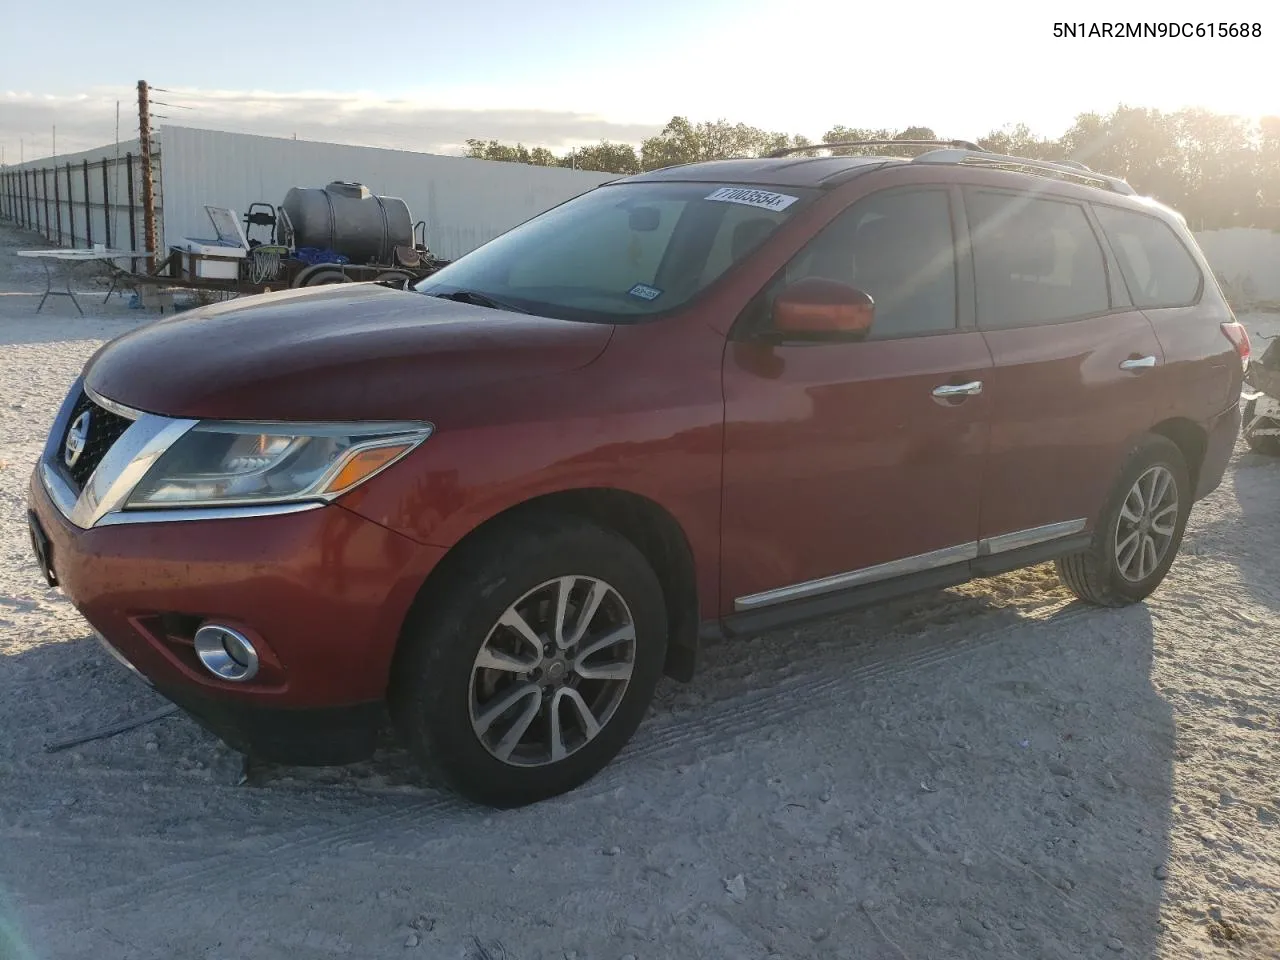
point(950, 390)
point(1138, 363)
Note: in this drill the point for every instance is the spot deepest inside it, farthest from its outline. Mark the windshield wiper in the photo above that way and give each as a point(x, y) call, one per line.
point(479, 299)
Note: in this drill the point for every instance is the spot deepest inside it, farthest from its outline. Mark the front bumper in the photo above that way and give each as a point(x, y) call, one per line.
point(316, 736)
point(322, 594)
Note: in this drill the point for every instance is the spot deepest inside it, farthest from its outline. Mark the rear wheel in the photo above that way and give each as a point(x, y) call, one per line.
point(1267, 445)
point(524, 674)
point(1139, 532)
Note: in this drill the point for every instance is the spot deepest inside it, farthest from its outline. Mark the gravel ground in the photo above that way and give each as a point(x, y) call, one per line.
point(991, 771)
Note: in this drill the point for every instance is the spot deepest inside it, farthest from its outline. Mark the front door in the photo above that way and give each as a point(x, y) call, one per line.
point(851, 462)
point(1070, 390)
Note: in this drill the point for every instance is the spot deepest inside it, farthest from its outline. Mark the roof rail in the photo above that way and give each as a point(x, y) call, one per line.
point(1063, 170)
point(787, 151)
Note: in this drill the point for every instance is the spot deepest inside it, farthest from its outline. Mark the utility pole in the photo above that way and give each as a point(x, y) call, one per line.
point(148, 185)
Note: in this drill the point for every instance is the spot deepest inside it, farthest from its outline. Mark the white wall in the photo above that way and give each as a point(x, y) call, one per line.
point(1247, 262)
point(465, 202)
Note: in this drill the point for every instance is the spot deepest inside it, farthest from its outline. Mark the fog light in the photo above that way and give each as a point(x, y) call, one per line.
point(226, 653)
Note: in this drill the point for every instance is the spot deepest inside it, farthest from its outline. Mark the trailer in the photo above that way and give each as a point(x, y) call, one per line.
point(340, 233)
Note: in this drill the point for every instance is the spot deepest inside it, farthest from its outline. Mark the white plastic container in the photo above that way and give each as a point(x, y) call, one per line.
point(230, 247)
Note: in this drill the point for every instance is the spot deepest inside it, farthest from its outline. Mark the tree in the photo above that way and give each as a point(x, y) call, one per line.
point(841, 133)
point(1139, 145)
point(1218, 170)
point(542, 157)
point(1269, 166)
point(604, 156)
point(493, 150)
point(1017, 140)
point(683, 142)
point(780, 141)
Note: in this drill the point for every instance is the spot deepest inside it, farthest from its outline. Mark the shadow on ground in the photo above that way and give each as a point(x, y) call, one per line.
point(996, 784)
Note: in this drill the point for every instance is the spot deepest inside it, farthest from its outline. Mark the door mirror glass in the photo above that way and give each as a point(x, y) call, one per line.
point(816, 306)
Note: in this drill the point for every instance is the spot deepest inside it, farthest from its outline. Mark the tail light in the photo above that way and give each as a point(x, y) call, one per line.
point(1235, 332)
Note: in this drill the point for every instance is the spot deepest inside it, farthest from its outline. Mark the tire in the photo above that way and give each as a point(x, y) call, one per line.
point(303, 278)
point(325, 277)
point(441, 690)
point(1267, 446)
point(1096, 575)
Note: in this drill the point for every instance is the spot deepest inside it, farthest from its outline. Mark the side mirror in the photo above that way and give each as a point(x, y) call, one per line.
point(816, 307)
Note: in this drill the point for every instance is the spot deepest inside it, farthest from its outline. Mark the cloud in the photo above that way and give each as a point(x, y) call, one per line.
point(88, 120)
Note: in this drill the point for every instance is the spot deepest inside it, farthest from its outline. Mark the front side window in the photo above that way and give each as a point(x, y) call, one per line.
point(1036, 260)
point(899, 248)
point(1154, 263)
point(622, 252)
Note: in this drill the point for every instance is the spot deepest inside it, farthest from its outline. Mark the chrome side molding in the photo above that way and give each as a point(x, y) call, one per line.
point(856, 578)
point(919, 563)
point(1030, 537)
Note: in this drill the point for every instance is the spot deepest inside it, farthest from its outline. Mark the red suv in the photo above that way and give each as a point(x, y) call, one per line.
point(704, 401)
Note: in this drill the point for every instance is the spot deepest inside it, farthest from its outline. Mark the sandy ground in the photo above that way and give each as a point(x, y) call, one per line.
point(986, 772)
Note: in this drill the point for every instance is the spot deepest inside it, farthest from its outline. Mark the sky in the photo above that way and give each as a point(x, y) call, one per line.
point(561, 73)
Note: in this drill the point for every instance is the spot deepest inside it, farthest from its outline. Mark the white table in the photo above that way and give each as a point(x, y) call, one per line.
point(77, 256)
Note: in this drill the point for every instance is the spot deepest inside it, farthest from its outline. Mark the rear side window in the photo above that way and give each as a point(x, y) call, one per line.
point(1037, 261)
point(1156, 266)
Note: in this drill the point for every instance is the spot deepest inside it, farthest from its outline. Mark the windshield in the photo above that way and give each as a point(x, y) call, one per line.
point(620, 253)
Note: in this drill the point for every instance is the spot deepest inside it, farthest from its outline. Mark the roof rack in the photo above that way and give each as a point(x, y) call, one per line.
point(787, 151)
point(1063, 169)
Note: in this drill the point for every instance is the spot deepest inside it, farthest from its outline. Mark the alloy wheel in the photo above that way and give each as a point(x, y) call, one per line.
point(553, 670)
point(1146, 525)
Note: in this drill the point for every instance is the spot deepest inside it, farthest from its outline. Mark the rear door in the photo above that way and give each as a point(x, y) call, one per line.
point(1071, 388)
point(1201, 372)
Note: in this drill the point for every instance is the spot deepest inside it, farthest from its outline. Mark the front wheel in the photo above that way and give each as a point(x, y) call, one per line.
point(1139, 531)
point(528, 670)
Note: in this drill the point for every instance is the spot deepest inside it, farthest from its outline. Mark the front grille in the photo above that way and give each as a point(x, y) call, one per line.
point(105, 429)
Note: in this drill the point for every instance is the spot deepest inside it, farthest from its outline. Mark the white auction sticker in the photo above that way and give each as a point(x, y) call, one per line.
point(645, 292)
point(753, 198)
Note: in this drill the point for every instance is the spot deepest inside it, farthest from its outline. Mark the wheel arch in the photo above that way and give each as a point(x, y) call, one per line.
point(1189, 437)
point(652, 529)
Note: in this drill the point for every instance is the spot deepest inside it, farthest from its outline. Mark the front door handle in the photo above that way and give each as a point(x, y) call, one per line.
point(1138, 363)
point(949, 391)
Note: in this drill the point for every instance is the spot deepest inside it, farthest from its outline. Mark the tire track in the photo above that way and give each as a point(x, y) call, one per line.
point(810, 692)
point(182, 882)
point(690, 735)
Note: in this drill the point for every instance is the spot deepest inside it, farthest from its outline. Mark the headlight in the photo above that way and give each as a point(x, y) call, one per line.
point(224, 464)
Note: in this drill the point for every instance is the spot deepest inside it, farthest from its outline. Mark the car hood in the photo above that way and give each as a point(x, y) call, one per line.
point(339, 352)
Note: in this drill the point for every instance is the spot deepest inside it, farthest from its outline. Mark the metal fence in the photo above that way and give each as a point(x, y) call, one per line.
point(80, 204)
point(96, 196)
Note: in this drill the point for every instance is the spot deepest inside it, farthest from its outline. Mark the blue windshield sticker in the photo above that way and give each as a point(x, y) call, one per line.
point(645, 292)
